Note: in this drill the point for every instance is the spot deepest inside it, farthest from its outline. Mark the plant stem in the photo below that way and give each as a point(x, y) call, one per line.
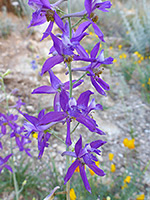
point(14, 175)
point(75, 128)
point(70, 80)
point(80, 78)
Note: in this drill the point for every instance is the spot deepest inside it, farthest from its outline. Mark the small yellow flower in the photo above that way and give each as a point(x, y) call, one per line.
point(35, 135)
point(72, 194)
point(113, 168)
point(125, 142)
point(124, 186)
point(139, 61)
point(140, 197)
point(111, 156)
point(77, 169)
point(149, 57)
point(120, 46)
point(115, 60)
point(131, 144)
point(100, 45)
point(136, 52)
point(127, 179)
point(124, 55)
point(86, 50)
point(110, 47)
point(121, 56)
point(148, 83)
point(127, 32)
point(117, 83)
point(142, 58)
point(91, 33)
point(143, 85)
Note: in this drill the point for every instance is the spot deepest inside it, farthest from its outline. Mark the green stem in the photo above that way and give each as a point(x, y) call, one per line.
point(70, 80)
point(75, 128)
point(69, 19)
point(80, 78)
point(53, 133)
point(14, 176)
point(77, 22)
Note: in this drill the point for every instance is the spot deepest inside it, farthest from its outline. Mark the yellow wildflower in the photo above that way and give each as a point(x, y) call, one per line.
point(127, 32)
point(115, 60)
point(140, 197)
point(72, 194)
point(124, 55)
point(124, 186)
point(121, 56)
point(127, 179)
point(91, 33)
point(120, 46)
point(142, 58)
point(35, 135)
point(143, 85)
point(86, 50)
point(125, 142)
point(139, 61)
point(136, 52)
point(148, 83)
point(110, 47)
point(131, 144)
point(113, 168)
point(100, 45)
point(111, 156)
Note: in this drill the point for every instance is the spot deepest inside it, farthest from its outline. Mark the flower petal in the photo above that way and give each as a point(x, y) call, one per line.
point(84, 178)
point(71, 170)
point(78, 146)
point(51, 62)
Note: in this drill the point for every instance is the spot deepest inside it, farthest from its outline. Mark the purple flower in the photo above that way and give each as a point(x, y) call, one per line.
point(91, 5)
point(94, 69)
point(45, 12)
point(63, 49)
point(35, 126)
point(56, 87)
point(84, 157)
point(74, 110)
point(18, 105)
point(7, 120)
point(3, 164)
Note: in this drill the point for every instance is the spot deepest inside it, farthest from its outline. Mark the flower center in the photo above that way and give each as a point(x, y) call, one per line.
point(68, 59)
point(94, 17)
point(50, 15)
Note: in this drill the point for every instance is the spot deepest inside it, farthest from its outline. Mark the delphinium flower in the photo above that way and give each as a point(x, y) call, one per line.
point(21, 140)
point(84, 157)
point(94, 69)
point(3, 162)
point(90, 6)
point(63, 49)
point(56, 87)
point(74, 110)
point(7, 120)
point(45, 12)
point(35, 126)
